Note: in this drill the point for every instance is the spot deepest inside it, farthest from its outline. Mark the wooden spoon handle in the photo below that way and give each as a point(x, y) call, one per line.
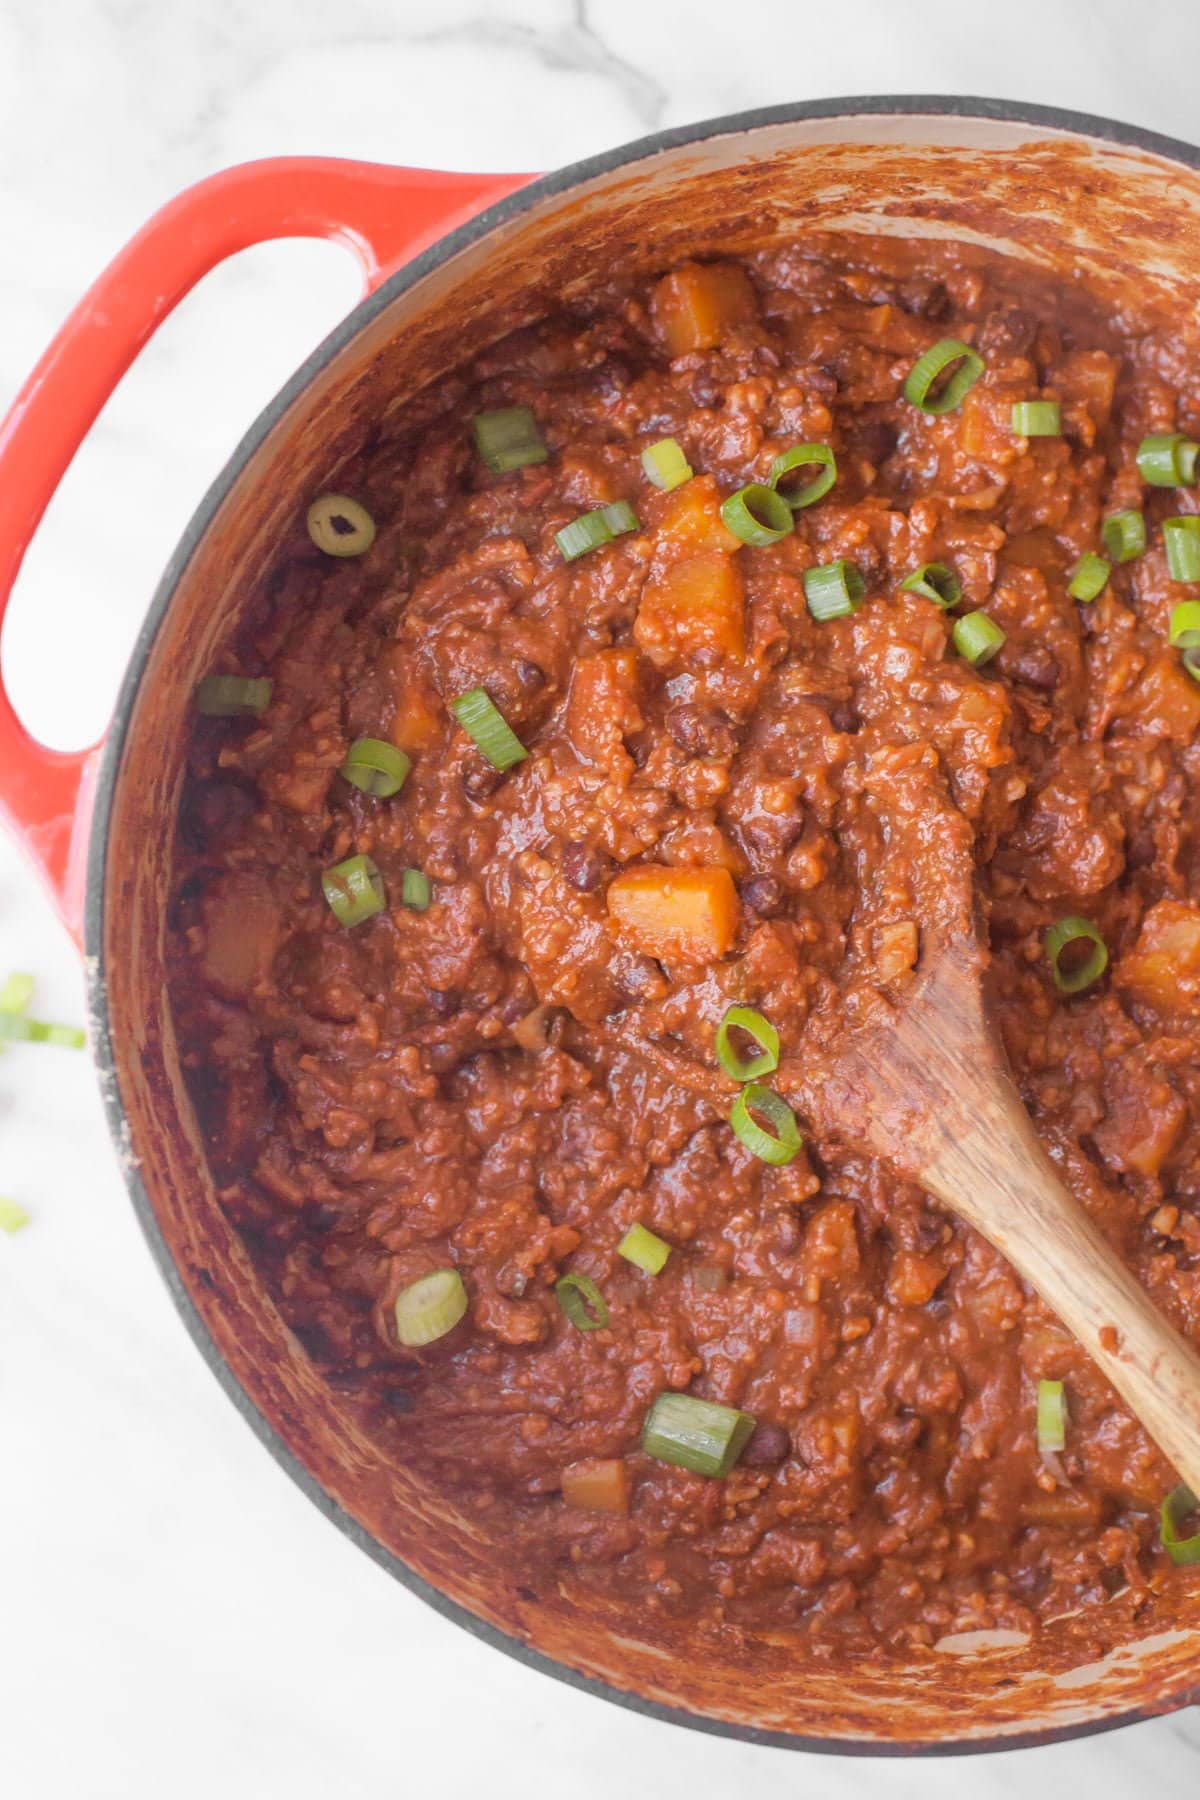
point(998, 1177)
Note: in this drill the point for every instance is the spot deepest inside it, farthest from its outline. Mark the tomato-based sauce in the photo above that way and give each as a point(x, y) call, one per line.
point(727, 799)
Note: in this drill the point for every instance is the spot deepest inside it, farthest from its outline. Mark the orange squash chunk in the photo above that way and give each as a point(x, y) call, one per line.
point(696, 304)
point(693, 608)
point(1163, 967)
point(691, 520)
point(681, 915)
point(600, 1486)
point(602, 705)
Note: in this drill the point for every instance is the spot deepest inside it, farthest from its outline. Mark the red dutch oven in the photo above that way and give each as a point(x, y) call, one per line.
point(451, 262)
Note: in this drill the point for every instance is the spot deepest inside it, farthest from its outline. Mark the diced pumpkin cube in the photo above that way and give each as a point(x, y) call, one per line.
point(691, 521)
point(600, 1486)
point(602, 705)
point(1163, 967)
point(697, 303)
point(896, 947)
point(420, 716)
point(986, 431)
point(831, 1241)
point(680, 915)
point(1165, 701)
point(695, 608)
point(913, 1279)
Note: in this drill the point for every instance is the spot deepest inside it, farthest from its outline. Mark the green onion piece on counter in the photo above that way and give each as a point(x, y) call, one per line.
point(340, 526)
point(696, 1434)
point(782, 1142)
point(416, 891)
point(757, 515)
point(21, 1030)
point(1178, 1505)
point(646, 1251)
point(1089, 577)
point(1051, 1415)
point(354, 890)
point(430, 1307)
point(508, 439)
point(12, 1216)
point(1184, 628)
point(666, 465)
point(833, 590)
point(1124, 535)
point(592, 529)
point(1036, 418)
point(937, 582)
point(978, 638)
point(1079, 975)
point(489, 730)
point(919, 385)
point(376, 767)
point(16, 993)
point(582, 1302)
point(1167, 459)
point(764, 1034)
point(1181, 539)
point(233, 696)
point(803, 456)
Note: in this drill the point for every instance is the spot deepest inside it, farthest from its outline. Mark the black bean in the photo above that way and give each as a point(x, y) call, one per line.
point(769, 1446)
point(443, 1002)
point(584, 866)
point(480, 781)
point(764, 895)
point(528, 673)
point(398, 1399)
point(875, 439)
point(1031, 663)
point(700, 730)
point(927, 298)
point(1008, 331)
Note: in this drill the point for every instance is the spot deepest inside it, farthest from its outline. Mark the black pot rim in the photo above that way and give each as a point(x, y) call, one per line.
point(946, 106)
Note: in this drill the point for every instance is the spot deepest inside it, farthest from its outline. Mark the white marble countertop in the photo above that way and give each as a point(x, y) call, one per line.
point(175, 1618)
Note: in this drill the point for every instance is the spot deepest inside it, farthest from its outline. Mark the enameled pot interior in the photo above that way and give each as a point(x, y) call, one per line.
point(1122, 216)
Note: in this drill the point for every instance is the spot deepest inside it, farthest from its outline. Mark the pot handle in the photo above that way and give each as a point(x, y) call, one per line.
point(384, 215)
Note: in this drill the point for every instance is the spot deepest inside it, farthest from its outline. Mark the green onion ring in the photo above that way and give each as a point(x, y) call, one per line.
point(233, 696)
point(354, 890)
point(777, 1146)
point(12, 1217)
point(1075, 930)
point(415, 890)
point(804, 456)
point(1089, 577)
point(1181, 540)
point(1052, 1415)
point(644, 1249)
point(934, 362)
point(758, 515)
point(508, 439)
point(696, 1434)
point(833, 590)
point(488, 729)
point(1036, 418)
point(752, 1022)
point(430, 1307)
point(1179, 1503)
point(977, 638)
point(1167, 459)
point(376, 767)
point(582, 1302)
point(937, 582)
point(1184, 628)
point(1124, 535)
point(666, 465)
point(340, 526)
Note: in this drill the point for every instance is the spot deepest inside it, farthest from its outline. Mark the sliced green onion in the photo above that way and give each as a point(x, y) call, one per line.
point(666, 465)
point(339, 526)
point(376, 767)
point(1082, 975)
point(233, 696)
point(19, 1029)
point(416, 891)
point(582, 1302)
point(758, 515)
point(646, 1251)
point(937, 582)
point(781, 1143)
point(1181, 538)
point(1184, 628)
point(749, 1020)
point(354, 890)
point(508, 439)
point(488, 729)
point(16, 993)
point(1089, 576)
point(804, 456)
point(1124, 535)
point(1051, 1416)
point(1036, 418)
point(1190, 659)
point(696, 1434)
point(1167, 459)
point(12, 1216)
point(919, 383)
point(430, 1307)
point(978, 638)
point(592, 529)
point(833, 590)
point(1178, 1505)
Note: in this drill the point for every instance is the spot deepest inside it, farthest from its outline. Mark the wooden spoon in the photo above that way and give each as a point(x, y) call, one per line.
point(922, 1081)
